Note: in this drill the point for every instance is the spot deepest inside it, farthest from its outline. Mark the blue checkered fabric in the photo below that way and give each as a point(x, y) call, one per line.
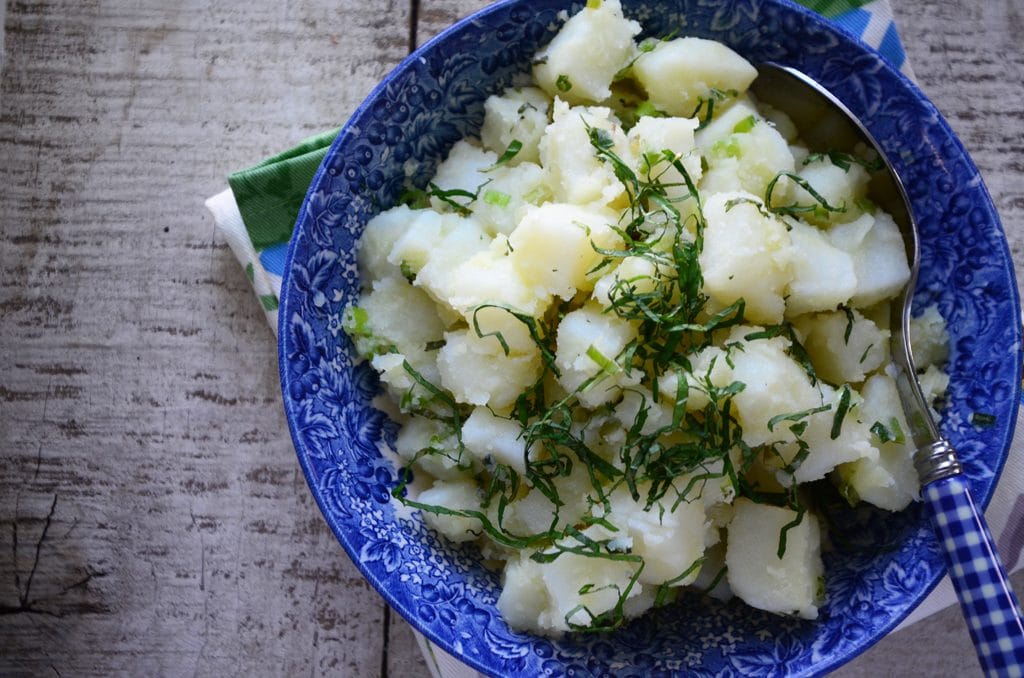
point(989, 606)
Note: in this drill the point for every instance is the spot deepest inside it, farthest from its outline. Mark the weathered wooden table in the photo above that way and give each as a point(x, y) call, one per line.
point(153, 518)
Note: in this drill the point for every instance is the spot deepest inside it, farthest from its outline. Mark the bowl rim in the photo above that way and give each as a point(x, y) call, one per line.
point(402, 69)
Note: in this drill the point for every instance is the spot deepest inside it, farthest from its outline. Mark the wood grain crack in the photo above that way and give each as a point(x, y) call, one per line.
point(414, 21)
point(385, 641)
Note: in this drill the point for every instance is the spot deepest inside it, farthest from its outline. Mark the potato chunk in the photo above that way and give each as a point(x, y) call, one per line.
point(843, 348)
point(477, 372)
point(843, 188)
point(507, 195)
point(747, 254)
point(786, 585)
point(490, 277)
point(491, 438)
point(654, 136)
point(929, 338)
point(572, 169)
point(379, 238)
point(517, 115)
point(671, 542)
point(679, 73)
point(554, 247)
point(824, 276)
point(588, 343)
point(580, 61)
point(457, 495)
point(749, 159)
point(890, 482)
point(774, 384)
point(463, 170)
point(825, 452)
point(879, 257)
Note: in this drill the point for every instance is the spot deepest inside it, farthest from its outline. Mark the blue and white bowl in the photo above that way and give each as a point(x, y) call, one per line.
point(882, 565)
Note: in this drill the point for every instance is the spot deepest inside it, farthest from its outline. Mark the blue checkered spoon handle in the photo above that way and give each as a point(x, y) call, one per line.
point(986, 599)
point(988, 603)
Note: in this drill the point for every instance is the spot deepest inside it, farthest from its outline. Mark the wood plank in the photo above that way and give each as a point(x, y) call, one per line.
point(153, 519)
point(140, 387)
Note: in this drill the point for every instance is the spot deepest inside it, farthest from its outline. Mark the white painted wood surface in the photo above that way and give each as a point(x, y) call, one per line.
point(153, 519)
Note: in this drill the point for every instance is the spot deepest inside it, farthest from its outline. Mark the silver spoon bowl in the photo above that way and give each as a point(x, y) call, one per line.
point(979, 578)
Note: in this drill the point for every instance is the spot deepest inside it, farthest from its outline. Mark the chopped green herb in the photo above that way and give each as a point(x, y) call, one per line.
point(511, 151)
point(841, 410)
point(982, 419)
point(891, 432)
point(496, 198)
point(745, 125)
point(562, 83)
point(850, 318)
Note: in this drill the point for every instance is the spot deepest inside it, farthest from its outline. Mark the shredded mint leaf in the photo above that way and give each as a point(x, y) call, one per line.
point(841, 410)
point(983, 419)
point(511, 151)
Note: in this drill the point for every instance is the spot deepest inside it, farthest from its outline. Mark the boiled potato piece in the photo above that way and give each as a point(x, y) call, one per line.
point(843, 188)
point(553, 248)
point(583, 335)
point(490, 321)
point(843, 348)
point(934, 383)
point(826, 452)
point(519, 114)
point(457, 239)
point(580, 588)
point(491, 277)
point(505, 197)
point(436, 441)
point(653, 135)
point(679, 73)
point(671, 541)
point(379, 238)
point(710, 368)
point(879, 257)
point(462, 170)
point(580, 61)
point(657, 415)
point(523, 600)
point(728, 116)
point(774, 384)
point(412, 242)
point(394, 317)
point(890, 482)
point(633, 275)
point(929, 339)
point(572, 169)
point(491, 438)
point(786, 585)
point(458, 495)
point(477, 371)
point(749, 160)
point(747, 254)
point(824, 276)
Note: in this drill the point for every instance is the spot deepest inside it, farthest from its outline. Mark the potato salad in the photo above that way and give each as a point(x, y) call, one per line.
point(632, 330)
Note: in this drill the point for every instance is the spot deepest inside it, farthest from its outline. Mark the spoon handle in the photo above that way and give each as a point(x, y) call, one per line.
point(988, 603)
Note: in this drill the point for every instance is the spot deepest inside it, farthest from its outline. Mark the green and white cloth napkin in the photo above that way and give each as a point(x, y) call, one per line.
point(257, 213)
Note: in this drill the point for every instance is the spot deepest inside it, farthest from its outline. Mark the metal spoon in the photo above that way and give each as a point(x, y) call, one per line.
point(986, 599)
